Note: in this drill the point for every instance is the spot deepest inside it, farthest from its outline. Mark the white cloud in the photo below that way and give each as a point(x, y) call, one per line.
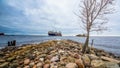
point(44, 15)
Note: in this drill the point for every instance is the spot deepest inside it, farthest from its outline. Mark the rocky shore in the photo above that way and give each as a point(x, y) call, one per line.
point(56, 54)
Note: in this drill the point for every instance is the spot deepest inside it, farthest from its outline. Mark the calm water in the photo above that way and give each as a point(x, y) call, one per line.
point(110, 44)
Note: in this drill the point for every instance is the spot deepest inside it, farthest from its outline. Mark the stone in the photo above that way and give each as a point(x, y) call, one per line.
point(55, 59)
point(79, 63)
point(62, 63)
point(41, 59)
point(48, 57)
point(13, 65)
point(4, 65)
point(1, 54)
point(26, 61)
point(53, 65)
point(43, 55)
point(71, 59)
point(70, 53)
point(39, 65)
point(61, 51)
point(92, 51)
point(111, 65)
point(2, 60)
point(47, 61)
point(86, 60)
point(76, 56)
point(32, 64)
point(26, 67)
point(46, 66)
point(109, 59)
point(21, 62)
point(97, 64)
point(63, 58)
point(93, 57)
point(10, 59)
point(31, 56)
point(71, 65)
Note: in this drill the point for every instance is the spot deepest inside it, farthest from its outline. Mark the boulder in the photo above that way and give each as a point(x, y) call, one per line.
point(13, 65)
point(71, 65)
point(39, 65)
point(76, 56)
point(2, 60)
point(111, 65)
point(61, 51)
point(53, 65)
point(93, 57)
point(26, 61)
point(41, 59)
point(4, 65)
point(46, 66)
point(48, 57)
point(32, 64)
point(86, 60)
point(97, 64)
point(43, 55)
point(55, 59)
point(10, 59)
point(27, 66)
point(79, 63)
point(109, 59)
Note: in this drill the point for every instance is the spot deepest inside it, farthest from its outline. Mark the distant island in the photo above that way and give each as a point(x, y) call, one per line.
point(81, 35)
point(2, 34)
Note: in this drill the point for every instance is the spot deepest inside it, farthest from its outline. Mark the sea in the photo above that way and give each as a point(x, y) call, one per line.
point(107, 43)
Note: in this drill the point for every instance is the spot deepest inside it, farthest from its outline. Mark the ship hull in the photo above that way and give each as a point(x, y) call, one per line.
point(51, 33)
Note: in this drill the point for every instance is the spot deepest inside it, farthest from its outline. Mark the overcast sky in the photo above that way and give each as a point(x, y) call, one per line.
point(40, 16)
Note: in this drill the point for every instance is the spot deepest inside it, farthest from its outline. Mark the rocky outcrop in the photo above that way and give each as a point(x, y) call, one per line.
point(110, 59)
point(55, 54)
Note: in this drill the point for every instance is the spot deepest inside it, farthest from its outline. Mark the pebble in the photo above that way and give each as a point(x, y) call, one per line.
point(79, 63)
point(71, 65)
point(46, 66)
point(48, 57)
point(41, 59)
point(76, 56)
point(55, 59)
point(32, 64)
point(11, 59)
point(53, 65)
point(2, 60)
point(27, 67)
point(4, 65)
point(26, 61)
point(39, 65)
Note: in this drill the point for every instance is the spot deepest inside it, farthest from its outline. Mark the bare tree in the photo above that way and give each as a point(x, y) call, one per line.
point(93, 16)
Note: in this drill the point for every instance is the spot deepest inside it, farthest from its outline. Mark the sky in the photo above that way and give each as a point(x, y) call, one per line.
point(37, 17)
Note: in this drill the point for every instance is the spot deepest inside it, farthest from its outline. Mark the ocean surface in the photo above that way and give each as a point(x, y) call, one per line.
point(107, 43)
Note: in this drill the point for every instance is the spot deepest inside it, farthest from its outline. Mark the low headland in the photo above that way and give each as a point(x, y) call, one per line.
point(56, 54)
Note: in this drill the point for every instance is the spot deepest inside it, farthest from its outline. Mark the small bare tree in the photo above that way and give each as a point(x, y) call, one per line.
point(93, 16)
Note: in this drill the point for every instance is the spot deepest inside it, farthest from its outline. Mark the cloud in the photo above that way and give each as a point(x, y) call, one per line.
point(40, 16)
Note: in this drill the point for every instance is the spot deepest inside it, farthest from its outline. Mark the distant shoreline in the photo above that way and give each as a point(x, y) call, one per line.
point(63, 35)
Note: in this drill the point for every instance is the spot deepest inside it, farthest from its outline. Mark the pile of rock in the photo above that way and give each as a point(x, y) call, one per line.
point(56, 54)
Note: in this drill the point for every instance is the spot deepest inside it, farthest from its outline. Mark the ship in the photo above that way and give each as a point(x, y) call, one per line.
point(54, 33)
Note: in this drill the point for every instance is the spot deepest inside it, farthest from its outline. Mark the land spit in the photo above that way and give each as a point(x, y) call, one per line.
point(56, 54)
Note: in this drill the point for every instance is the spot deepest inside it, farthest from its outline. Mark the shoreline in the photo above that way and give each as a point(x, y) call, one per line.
point(57, 54)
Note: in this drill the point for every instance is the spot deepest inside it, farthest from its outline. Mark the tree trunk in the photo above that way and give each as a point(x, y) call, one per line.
point(85, 46)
